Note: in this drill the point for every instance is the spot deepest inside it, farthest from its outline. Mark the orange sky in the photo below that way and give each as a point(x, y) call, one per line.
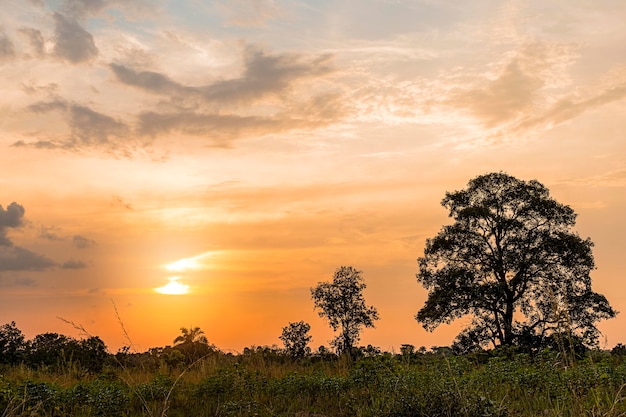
point(281, 140)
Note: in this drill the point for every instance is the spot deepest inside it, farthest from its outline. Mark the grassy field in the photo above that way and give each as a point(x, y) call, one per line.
point(265, 382)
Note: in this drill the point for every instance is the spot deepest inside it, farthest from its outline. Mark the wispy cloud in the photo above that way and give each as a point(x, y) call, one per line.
point(87, 128)
point(263, 74)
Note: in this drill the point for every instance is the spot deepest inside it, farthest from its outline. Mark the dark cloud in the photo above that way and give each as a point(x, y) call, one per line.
point(72, 42)
point(12, 217)
point(19, 259)
point(91, 127)
point(49, 233)
point(72, 264)
point(7, 48)
point(36, 40)
point(82, 242)
point(264, 74)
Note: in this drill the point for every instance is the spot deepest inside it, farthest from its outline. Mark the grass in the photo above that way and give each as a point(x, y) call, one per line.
point(264, 382)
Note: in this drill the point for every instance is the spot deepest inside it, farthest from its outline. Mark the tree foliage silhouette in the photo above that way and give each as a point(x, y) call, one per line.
point(510, 261)
point(193, 344)
point(296, 338)
point(190, 335)
point(341, 302)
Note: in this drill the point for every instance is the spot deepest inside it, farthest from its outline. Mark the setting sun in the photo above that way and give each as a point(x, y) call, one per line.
point(173, 287)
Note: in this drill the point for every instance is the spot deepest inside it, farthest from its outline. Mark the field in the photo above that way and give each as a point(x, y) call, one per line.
point(264, 381)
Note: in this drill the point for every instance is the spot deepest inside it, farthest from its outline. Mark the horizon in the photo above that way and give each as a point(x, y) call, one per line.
point(233, 154)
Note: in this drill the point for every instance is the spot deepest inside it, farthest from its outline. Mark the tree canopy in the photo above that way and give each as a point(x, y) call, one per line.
point(512, 262)
point(342, 303)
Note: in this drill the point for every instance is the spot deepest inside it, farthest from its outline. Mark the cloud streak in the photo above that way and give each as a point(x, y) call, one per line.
point(264, 74)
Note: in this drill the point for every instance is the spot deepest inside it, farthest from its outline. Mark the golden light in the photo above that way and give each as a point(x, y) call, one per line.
point(173, 287)
point(187, 263)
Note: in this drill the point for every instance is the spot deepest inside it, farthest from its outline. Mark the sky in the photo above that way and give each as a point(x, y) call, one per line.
point(243, 150)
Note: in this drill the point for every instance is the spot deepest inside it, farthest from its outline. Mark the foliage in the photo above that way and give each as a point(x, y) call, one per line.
point(12, 345)
point(511, 261)
point(295, 337)
point(259, 382)
point(192, 344)
point(341, 302)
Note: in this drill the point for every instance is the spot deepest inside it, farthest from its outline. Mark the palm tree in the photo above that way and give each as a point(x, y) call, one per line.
point(190, 336)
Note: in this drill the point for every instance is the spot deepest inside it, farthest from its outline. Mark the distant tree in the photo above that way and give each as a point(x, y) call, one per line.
point(341, 302)
point(59, 351)
point(193, 344)
point(190, 335)
point(510, 261)
point(12, 344)
point(296, 338)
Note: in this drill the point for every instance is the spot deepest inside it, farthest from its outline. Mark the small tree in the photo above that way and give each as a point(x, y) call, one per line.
point(341, 302)
point(12, 344)
point(296, 338)
point(510, 261)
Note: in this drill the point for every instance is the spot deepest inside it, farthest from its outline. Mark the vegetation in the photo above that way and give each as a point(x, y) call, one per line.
point(341, 302)
point(267, 381)
point(296, 338)
point(511, 262)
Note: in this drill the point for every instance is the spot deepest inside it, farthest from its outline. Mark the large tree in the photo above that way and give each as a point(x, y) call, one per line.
point(341, 302)
point(512, 262)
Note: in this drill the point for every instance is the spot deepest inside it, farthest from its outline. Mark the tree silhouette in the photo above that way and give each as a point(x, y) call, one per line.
point(193, 344)
point(341, 302)
point(510, 261)
point(190, 335)
point(296, 338)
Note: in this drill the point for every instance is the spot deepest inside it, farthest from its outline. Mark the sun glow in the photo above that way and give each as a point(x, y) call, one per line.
point(173, 287)
point(187, 263)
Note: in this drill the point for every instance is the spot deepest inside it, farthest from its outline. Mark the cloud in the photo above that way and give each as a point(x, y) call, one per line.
point(79, 9)
point(72, 264)
point(12, 217)
point(36, 40)
point(49, 233)
point(17, 282)
point(221, 129)
point(7, 48)
point(19, 259)
point(82, 242)
point(88, 128)
point(72, 42)
point(119, 201)
point(615, 178)
point(504, 98)
point(264, 74)
point(568, 108)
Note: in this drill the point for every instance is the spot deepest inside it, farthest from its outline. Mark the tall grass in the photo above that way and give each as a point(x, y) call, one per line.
point(264, 382)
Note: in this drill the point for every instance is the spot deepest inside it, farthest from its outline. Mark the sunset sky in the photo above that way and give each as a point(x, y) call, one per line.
point(245, 149)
